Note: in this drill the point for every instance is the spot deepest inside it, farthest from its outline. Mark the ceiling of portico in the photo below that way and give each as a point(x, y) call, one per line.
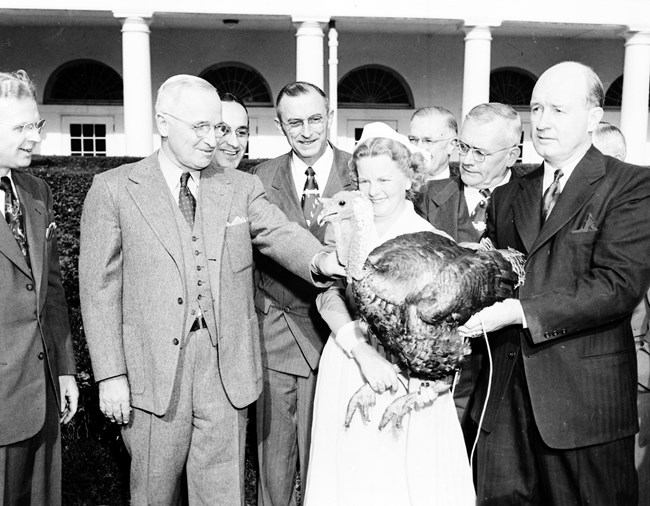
point(215, 21)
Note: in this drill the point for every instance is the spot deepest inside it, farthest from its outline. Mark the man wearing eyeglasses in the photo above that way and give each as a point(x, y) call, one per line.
point(166, 278)
point(433, 129)
point(487, 146)
point(231, 147)
point(37, 384)
point(293, 333)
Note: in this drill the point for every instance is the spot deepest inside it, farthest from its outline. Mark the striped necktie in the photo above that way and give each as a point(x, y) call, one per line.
point(479, 213)
point(551, 195)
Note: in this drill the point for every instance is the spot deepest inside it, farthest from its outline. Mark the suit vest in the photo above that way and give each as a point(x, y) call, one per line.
point(196, 275)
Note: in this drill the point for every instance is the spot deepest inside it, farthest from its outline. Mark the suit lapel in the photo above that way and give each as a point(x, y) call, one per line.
point(150, 193)
point(453, 187)
point(339, 178)
point(35, 216)
point(283, 183)
point(8, 245)
point(215, 199)
point(527, 208)
point(577, 190)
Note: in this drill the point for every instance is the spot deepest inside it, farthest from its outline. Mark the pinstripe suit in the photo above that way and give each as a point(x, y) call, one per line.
point(563, 403)
point(293, 335)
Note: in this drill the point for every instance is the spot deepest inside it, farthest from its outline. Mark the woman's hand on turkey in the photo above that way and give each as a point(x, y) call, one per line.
point(379, 372)
point(495, 317)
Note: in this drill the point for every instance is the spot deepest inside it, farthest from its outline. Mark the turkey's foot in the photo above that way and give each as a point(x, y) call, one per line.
point(363, 399)
point(397, 409)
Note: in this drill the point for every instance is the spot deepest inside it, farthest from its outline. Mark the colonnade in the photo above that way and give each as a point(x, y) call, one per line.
point(310, 66)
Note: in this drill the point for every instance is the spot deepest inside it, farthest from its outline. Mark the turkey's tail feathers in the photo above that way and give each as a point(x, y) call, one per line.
point(516, 259)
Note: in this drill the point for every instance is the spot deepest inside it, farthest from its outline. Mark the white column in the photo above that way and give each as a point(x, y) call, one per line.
point(476, 70)
point(333, 42)
point(136, 73)
point(634, 107)
point(309, 50)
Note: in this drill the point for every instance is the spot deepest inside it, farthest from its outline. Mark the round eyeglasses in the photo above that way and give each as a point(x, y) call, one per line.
point(317, 122)
point(478, 154)
point(28, 128)
point(428, 141)
point(203, 128)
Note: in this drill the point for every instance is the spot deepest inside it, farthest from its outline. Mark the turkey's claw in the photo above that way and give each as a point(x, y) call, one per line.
point(397, 409)
point(362, 400)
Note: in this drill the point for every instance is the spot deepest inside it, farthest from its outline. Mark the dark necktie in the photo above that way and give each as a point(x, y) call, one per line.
point(14, 216)
point(186, 200)
point(551, 195)
point(478, 215)
point(310, 196)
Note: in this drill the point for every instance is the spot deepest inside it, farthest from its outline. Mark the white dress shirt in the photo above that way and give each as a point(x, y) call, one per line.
point(172, 174)
point(322, 167)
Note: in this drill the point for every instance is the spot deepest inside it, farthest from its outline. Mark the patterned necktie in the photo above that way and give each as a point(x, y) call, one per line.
point(186, 200)
point(310, 196)
point(14, 216)
point(478, 215)
point(551, 195)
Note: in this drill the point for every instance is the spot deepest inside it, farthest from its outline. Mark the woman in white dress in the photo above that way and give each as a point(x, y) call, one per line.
point(424, 462)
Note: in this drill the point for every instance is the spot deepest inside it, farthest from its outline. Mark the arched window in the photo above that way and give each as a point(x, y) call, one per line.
point(614, 95)
point(84, 82)
point(241, 80)
point(374, 87)
point(511, 86)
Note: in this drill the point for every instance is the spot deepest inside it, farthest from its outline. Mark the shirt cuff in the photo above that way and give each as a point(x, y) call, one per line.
point(349, 335)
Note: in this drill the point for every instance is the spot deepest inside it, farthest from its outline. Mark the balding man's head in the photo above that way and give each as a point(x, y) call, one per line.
point(566, 106)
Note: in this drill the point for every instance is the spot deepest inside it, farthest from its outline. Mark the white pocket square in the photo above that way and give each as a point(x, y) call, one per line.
point(237, 220)
point(50, 231)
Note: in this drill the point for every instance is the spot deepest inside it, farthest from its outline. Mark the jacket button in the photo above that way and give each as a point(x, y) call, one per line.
point(175, 342)
point(512, 354)
point(286, 309)
point(29, 287)
point(554, 333)
point(199, 282)
point(194, 238)
point(564, 331)
point(41, 355)
point(180, 300)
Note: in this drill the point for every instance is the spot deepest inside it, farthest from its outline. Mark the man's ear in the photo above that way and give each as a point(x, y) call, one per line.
point(163, 125)
point(595, 117)
point(278, 125)
point(513, 154)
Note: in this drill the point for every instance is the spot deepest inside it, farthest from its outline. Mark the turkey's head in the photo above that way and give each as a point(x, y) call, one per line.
point(352, 219)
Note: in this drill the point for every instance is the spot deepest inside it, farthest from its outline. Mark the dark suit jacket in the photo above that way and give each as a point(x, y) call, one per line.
point(442, 203)
point(587, 268)
point(33, 316)
point(297, 349)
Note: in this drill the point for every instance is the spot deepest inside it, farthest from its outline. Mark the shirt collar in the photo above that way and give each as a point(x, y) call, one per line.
point(323, 164)
point(567, 170)
point(172, 174)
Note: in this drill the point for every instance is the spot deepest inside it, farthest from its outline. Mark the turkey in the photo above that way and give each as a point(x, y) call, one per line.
point(413, 292)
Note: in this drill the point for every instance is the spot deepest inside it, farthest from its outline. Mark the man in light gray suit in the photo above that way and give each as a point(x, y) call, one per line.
point(166, 274)
point(292, 331)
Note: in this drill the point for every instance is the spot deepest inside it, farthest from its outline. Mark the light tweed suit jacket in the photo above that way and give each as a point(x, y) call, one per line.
point(133, 290)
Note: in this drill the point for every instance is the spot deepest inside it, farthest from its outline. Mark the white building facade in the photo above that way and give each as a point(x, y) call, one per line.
point(97, 69)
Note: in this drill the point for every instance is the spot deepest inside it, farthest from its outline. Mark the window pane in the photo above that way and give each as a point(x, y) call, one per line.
point(75, 144)
point(100, 130)
point(89, 145)
point(88, 130)
point(100, 144)
point(75, 130)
